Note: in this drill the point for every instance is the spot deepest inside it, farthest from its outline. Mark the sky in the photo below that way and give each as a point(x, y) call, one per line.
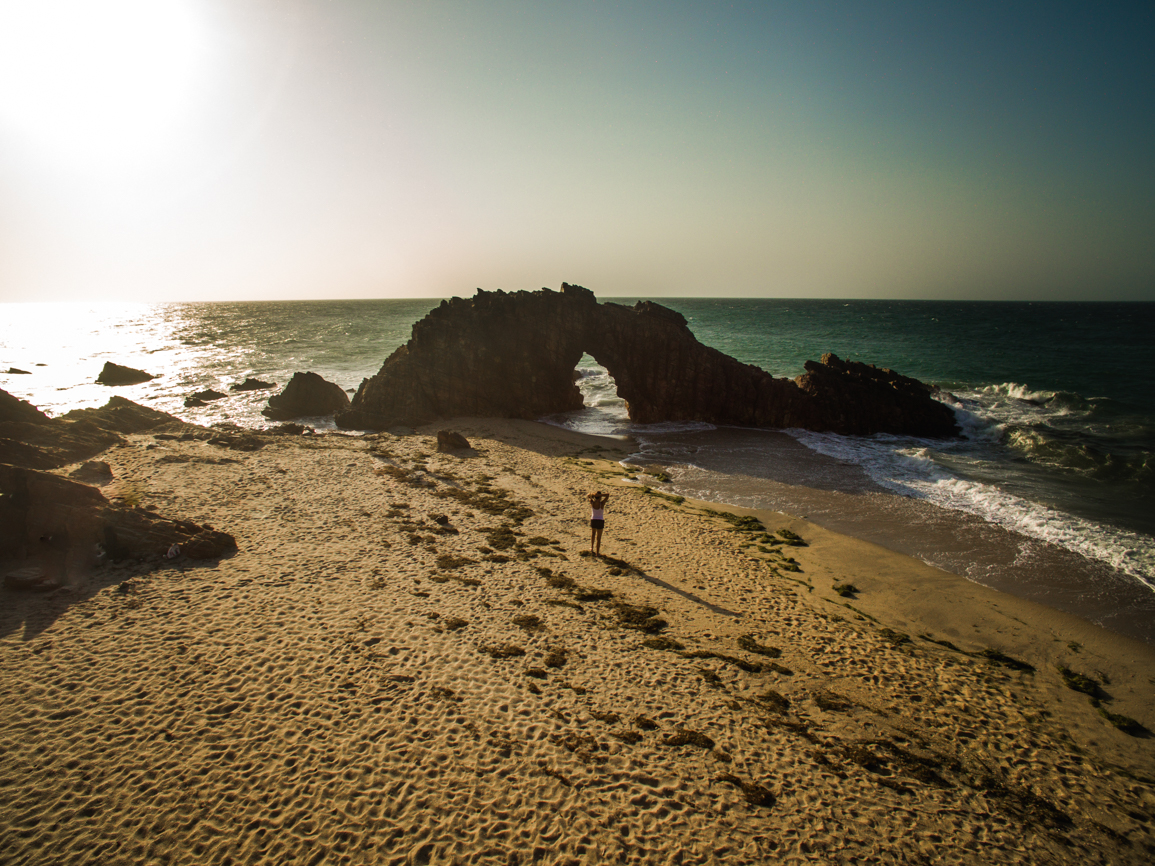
point(186, 150)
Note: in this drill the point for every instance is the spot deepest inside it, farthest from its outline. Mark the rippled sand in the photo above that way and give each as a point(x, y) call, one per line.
point(409, 660)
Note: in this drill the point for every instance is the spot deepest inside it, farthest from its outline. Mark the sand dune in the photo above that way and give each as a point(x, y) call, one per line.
point(409, 660)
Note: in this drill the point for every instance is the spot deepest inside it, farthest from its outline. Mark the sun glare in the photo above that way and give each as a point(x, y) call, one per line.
point(99, 85)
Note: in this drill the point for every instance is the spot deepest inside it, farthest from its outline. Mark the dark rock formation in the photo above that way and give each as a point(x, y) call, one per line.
point(513, 356)
point(306, 394)
point(202, 397)
point(252, 385)
point(30, 438)
point(115, 374)
point(94, 472)
point(447, 440)
point(39, 508)
point(15, 371)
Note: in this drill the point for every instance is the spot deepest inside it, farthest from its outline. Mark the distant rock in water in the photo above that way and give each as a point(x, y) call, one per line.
point(306, 394)
point(513, 356)
point(252, 385)
point(115, 374)
point(202, 397)
point(15, 371)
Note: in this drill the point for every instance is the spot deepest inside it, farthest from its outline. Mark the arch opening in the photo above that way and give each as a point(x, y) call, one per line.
point(603, 411)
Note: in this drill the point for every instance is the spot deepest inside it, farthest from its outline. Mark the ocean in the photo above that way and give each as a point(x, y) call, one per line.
point(1049, 495)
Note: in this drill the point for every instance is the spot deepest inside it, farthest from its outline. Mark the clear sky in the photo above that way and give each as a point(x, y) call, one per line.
point(274, 149)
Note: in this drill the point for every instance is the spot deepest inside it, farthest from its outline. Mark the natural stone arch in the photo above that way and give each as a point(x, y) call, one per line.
point(513, 356)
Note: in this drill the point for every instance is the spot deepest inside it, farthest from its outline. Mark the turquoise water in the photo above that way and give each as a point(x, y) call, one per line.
point(1057, 401)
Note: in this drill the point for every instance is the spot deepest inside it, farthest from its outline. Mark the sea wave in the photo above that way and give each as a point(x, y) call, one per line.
point(915, 468)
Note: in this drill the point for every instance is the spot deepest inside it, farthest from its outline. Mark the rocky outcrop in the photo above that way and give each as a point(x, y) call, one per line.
point(115, 374)
point(307, 394)
point(448, 440)
point(39, 509)
point(513, 356)
point(30, 438)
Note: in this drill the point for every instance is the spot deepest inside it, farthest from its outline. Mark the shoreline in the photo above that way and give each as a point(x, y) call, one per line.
point(348, 685)
point(843, 498)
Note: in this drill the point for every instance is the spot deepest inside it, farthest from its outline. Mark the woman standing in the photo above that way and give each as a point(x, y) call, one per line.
point(598, 501)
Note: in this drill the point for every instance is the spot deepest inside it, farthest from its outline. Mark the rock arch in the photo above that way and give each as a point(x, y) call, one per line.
point(512, 355)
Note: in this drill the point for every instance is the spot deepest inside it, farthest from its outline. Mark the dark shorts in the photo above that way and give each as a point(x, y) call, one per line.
point(597, 524)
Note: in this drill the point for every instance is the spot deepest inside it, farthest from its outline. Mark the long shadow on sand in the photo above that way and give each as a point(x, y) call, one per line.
point(35, 612)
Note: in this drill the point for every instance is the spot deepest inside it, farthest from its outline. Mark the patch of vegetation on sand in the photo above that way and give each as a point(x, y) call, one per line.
point(831, 702)
point(756, 795)
point(748, 643)
point(1001, 658)
point(502, 651)
point(529, 622)
point(667, 644)
point(846, 590)
point(749, 667)
point(639, 617)
point(447, 562)
point(686, 737)
point(775, 701)
point(556, 657)
point(1079, 682)
point(487, 499)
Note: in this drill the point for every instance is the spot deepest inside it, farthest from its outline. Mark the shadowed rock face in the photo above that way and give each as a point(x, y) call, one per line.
point(513, 356)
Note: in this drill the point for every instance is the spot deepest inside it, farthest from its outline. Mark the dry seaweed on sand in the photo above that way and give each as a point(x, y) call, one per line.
point(639, 617)
point(748, 643)
point(1126, 724)
point(846, 590)
point(503, 651)
point(587, 593)
point(627, 737)
point(892, 637)
point(529, 622)
point(556, 657)
point(831, 702)
point(775, 701)
point(447, 561)
point(710, 677)
point(749, 667)
point(610, 718)
point(1007, 661)
point(793, 539)
point(686, 737)
point(781, 669)
point(1023, 804)
point(662, 643)
point(645, 723)
point(1079, 682)
point(756, 795)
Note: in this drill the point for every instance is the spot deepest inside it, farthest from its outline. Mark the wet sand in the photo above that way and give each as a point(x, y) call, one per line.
point(409, 660)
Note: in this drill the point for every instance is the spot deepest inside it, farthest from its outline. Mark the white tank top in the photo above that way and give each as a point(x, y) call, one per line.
point(598, 514)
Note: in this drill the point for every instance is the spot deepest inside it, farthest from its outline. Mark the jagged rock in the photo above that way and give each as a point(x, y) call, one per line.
point(447, 440)
point(15, 371)
point(307, 394)
point(39, 508)
point(121, 415)
point(30, 438)
point(252, 385)
point(15, 410)
point(115, 374)
point(202, 397)
point(513, 356)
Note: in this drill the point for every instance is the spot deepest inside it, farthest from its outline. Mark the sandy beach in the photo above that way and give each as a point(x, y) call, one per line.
point(411, 659)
